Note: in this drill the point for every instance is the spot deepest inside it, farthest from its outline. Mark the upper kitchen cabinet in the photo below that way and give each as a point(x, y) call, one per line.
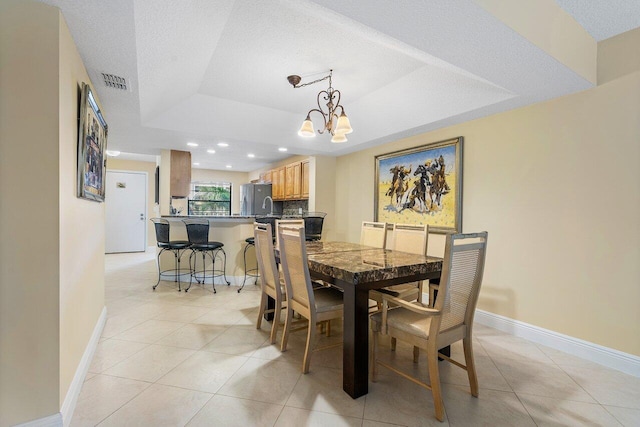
point(290, 182)
point(305, 180)
point(293, 181)
point(180, 173)
point(278, 183)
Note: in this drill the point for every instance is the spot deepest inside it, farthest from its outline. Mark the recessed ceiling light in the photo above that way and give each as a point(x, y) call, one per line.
point(211, 151)
point(222, 144)
point(282, 149)
point(113, 153)
point(196, 164)
point(229, 166)
point(251, 155)
point(192, 144)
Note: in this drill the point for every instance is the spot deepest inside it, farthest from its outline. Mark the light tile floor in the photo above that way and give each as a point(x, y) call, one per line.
point(173, 358)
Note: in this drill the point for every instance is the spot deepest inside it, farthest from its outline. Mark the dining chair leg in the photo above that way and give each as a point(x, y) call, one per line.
point(311, 334)
point(287, 327)
point(276, 321)
point(393, 343)
point(434, 378)
point(471, 366)
point(416, 354)
point(263, 305)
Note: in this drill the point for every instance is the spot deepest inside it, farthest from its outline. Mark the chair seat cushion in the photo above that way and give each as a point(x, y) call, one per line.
point(174, 244)
point(404, 320)
point(209, 246)
point(328, 299)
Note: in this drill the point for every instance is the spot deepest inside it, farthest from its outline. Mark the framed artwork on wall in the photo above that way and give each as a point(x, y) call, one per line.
point(421, 185)
point(92, 145)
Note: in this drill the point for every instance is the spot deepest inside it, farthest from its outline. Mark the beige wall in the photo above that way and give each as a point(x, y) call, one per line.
point(556, 186)
point(52, 246)
point(618, 56)
point(29, 212)
point(82, 222)
point(117, 164)
point(322, 184)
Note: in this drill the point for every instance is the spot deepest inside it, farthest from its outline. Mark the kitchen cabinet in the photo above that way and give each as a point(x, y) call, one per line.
point(305, 180)
point(180, 183)
point(290, 182)
point(278, 183)
point(293, 181)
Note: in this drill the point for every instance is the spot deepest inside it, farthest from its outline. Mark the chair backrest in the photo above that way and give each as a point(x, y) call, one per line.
point(295, 223)
point(313, 222)
point(293, 256)
point(162, 229)
point(410, 238)
point(462, 270)
point(268, 220)
point(269, 276)
point(197, 230)
point(373, 234)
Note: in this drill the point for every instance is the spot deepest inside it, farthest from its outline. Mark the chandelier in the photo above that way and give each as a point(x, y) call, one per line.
point(330, 117)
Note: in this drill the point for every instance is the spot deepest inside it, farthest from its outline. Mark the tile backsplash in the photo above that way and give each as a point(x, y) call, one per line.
point(292, 207)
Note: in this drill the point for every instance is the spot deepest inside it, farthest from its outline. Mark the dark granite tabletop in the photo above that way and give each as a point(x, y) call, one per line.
point(316, 247)
point(367, 265)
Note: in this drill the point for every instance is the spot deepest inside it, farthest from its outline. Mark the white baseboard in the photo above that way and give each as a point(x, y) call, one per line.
point(54, 420)
point(70, 400)
point(605, 356)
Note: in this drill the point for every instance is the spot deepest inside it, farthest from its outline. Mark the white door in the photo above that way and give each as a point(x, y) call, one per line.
point(126, 212)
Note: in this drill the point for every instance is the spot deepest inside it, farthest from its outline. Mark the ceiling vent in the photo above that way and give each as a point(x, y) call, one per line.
point(115, 82)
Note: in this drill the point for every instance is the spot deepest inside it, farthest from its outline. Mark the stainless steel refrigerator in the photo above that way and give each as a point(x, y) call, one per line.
point(252, 199)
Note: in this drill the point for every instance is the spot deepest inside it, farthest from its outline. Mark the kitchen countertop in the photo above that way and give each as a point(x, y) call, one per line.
point(238, 219)
point(213, 218)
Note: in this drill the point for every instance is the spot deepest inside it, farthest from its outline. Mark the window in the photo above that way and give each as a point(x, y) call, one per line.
point(211, 198)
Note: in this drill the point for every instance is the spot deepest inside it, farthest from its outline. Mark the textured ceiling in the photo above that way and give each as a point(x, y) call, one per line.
point(604, 18)
point(210, 71)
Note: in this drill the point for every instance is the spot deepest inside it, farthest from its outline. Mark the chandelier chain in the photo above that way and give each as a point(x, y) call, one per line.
point(313, 82)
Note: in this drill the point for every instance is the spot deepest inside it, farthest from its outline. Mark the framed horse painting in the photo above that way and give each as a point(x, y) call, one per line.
point(92, 145)
point(421, 185)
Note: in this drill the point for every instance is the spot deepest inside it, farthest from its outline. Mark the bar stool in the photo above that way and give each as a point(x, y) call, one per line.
point(198, 233)
point(250, 242)
point(178, 247)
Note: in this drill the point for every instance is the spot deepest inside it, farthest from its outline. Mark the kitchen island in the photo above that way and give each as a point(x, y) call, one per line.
point(231, 230)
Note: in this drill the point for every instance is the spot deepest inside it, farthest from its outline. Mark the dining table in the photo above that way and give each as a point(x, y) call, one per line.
point(357, 269)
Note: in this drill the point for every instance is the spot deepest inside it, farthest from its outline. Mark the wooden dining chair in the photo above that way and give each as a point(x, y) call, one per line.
point(315, 305)
point(412, 239)
point(373, 234)
point(296, 223)
point(449, 321)
point(269, 277)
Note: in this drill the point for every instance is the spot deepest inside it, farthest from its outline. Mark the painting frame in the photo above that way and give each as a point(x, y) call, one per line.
point(92, 147)
point(428, 192)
